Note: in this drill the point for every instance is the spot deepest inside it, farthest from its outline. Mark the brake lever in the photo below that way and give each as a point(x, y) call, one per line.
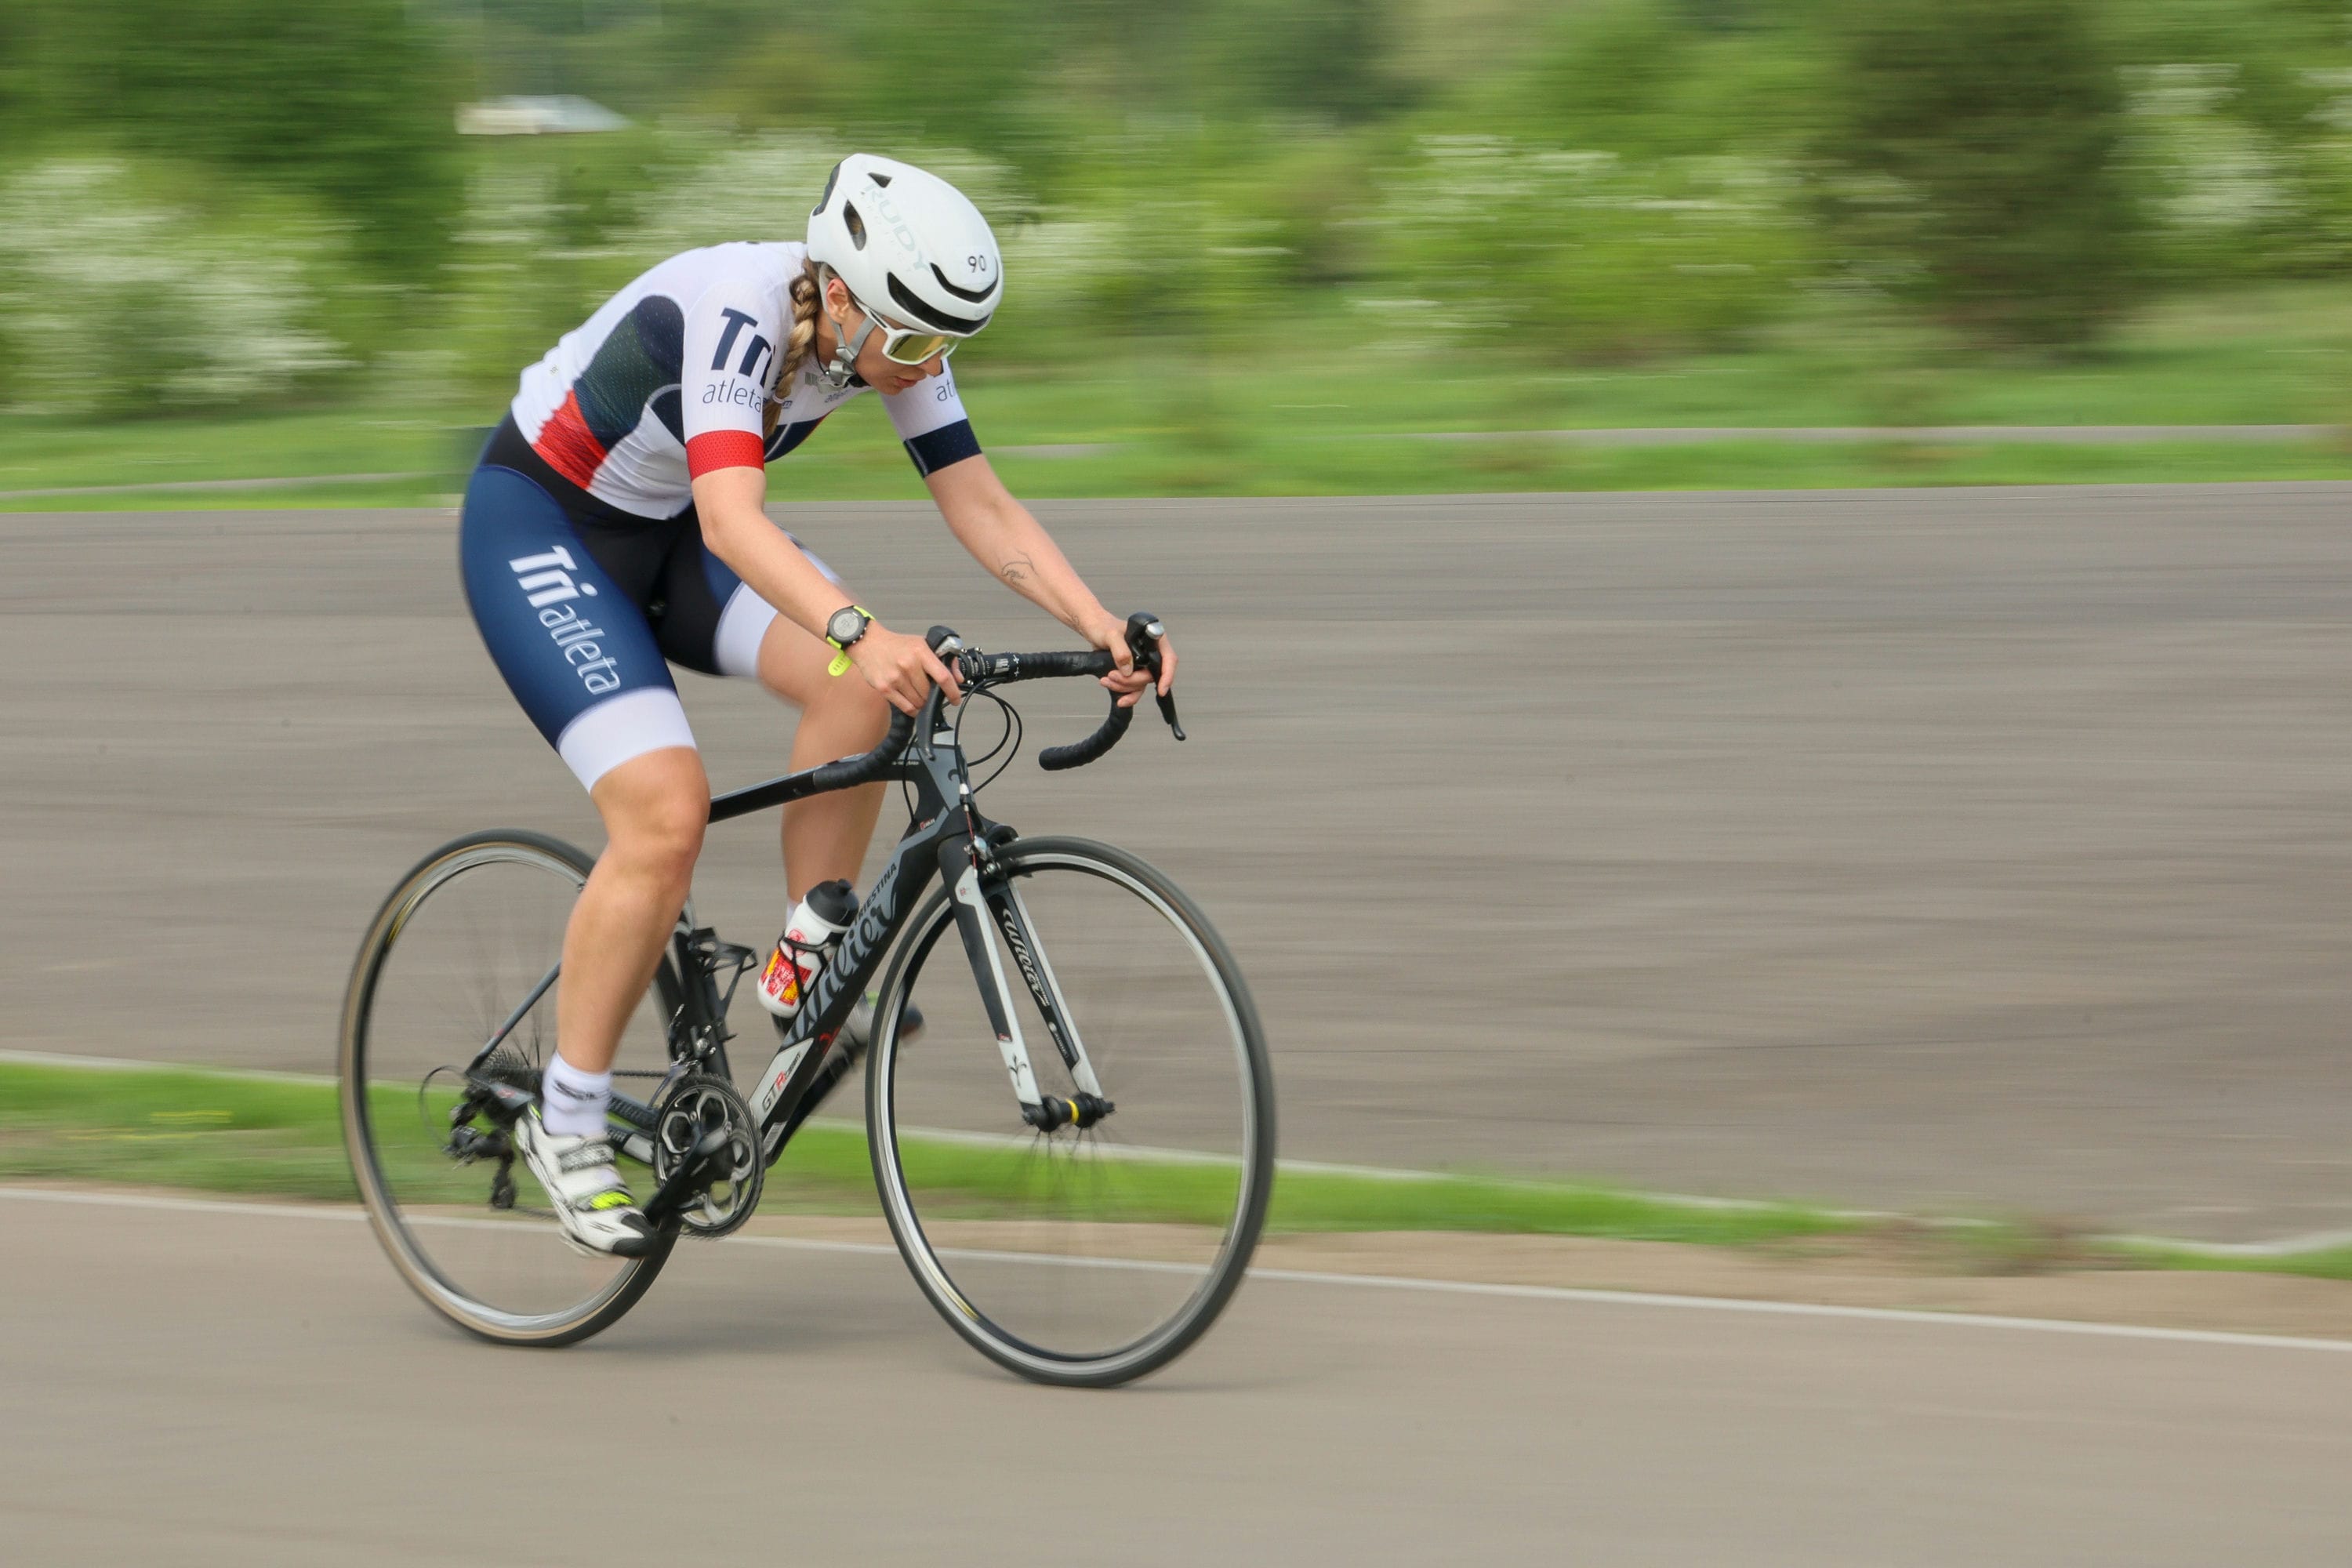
point(1143, 634)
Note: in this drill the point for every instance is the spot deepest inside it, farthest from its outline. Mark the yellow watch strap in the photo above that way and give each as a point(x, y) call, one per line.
point(840, 665)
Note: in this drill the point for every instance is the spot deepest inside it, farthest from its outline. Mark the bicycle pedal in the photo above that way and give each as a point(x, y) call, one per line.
point(468, 1144)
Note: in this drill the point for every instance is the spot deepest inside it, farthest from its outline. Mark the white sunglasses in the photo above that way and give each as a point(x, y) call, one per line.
point(900, 345)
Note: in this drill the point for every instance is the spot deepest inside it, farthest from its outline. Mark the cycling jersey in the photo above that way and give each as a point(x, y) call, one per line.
point(580, 551)
point(670, 379)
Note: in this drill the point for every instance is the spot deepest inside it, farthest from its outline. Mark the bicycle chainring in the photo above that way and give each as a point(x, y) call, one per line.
point(698, 1104)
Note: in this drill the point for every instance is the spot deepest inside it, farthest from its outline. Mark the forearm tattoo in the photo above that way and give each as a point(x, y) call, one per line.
point(1018, 570)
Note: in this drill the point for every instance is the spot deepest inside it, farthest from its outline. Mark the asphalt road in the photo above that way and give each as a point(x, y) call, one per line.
point(200, 1388)
point(1977, 848)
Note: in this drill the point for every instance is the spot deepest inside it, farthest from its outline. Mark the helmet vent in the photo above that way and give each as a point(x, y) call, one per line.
point(879, 178)
point(919, 310)
point(826, 195)
point(856, 225)
point(974, 295)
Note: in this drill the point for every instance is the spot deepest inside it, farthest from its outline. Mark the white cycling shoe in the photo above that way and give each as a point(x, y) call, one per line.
point(578, 1172)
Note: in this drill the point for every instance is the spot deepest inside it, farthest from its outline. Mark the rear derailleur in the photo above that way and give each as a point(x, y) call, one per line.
point(502, 1104)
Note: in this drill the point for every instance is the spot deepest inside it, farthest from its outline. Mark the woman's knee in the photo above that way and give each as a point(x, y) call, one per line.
point(858, 708)
point(656, 808)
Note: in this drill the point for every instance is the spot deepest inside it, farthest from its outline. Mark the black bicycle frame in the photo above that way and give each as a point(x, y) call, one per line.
point(939, 841)
point(947, 836)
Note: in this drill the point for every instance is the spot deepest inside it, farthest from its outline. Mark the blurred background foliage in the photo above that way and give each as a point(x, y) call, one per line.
point(266, 203)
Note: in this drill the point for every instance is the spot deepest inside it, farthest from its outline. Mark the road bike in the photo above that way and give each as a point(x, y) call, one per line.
point(1080, 1216)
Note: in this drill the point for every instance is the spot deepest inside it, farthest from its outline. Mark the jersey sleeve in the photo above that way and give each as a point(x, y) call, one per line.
point(731, 340)
point(929, 418)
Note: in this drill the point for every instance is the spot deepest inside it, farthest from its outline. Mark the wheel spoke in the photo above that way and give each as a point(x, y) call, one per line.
point(464, 953)
point(1086, 1253)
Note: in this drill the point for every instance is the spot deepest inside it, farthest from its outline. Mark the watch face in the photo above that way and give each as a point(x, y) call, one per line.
point(845, 625)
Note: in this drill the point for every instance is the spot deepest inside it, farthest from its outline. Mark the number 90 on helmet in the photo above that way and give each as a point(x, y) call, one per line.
point(908, 244)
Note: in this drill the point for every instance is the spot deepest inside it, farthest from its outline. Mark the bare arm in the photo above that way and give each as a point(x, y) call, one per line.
point(1002, 536)
point(901, 666)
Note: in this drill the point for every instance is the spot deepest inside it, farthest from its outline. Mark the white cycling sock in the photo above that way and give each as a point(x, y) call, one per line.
point(573, 1102)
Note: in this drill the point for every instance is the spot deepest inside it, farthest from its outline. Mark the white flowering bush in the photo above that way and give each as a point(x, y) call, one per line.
point(512, 290)
point(2329, 167)
point(2230, 194)
point(115, 302)
point(1566, 253)
point(2218, 188)
point(760, 187)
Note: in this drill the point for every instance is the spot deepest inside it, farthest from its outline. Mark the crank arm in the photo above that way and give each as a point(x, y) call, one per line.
point(664, 1206)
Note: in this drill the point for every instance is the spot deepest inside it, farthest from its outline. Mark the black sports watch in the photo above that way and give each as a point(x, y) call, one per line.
point(842, 628)
point(847, 625)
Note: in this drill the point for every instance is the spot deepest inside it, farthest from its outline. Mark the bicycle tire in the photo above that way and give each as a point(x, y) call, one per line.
point(397, 1231)
point(936, 1267)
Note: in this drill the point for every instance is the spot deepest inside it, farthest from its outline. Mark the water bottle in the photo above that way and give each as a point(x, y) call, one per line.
point(808, 939)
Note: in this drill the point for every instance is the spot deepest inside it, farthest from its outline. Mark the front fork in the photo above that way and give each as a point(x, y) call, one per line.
point(989, 907)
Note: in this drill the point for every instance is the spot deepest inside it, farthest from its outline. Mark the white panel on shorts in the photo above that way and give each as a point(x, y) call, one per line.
point(744, 619)
point(646, 720)
point(816, 560)
point(735, 647)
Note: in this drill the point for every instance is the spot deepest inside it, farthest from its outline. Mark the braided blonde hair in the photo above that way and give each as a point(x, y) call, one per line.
point(800, 340)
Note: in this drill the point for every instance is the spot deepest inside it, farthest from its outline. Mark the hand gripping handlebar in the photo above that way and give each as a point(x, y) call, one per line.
point(1143, 635)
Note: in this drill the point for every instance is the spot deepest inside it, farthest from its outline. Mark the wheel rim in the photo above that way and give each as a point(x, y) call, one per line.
point(1081, 1251)
point(453, 953)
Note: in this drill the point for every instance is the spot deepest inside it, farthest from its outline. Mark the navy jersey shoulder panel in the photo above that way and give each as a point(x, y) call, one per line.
point(790, 436)
point(936, 449)
point(637, 359)
point(668, 410)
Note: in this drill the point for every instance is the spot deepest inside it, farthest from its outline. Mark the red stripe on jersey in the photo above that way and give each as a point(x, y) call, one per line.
point(570, 447)
point(725, 450)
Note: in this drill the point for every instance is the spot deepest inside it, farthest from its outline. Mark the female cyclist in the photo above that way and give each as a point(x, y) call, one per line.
point(614, 527)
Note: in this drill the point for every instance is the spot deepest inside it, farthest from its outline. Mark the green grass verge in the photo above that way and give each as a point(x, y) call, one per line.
point(2320, 1263)
point(229, 1133)
point(259, 1136)
point(1324, 423)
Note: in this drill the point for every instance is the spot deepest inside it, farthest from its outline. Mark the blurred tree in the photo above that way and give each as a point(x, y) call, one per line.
point(1556, 254)
point(1975, 159)
point(1649, 77)
point(347, 103)
point(1329, 58)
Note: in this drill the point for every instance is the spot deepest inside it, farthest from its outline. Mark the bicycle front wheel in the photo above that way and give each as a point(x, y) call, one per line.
point(466, 944)
point(1082, 1256)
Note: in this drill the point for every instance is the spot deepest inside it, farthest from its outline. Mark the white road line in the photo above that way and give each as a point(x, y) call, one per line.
point(1309, 1277)
point(135, 1063)
point(181, 1205)
point(1811, 1310)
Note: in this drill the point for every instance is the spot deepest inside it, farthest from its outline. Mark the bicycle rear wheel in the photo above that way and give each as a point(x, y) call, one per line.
point(1079, 1256)
point(462, 943)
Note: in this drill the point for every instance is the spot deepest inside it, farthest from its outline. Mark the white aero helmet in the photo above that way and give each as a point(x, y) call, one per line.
point(908, 245)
